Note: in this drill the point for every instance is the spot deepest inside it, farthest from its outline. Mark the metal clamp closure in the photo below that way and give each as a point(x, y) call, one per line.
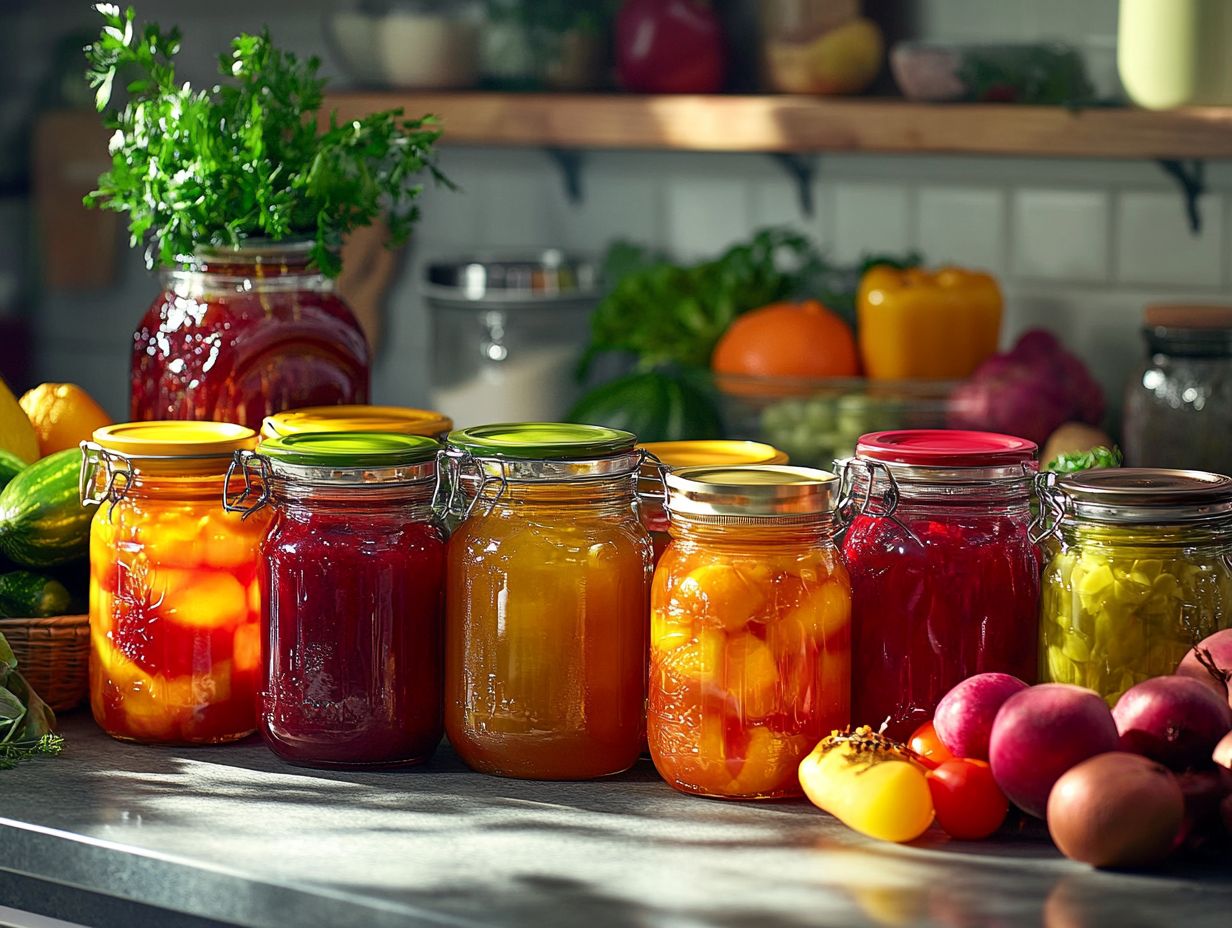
point(1052, 508)
point(851, 504)
point(256, 482)
point(116, 468)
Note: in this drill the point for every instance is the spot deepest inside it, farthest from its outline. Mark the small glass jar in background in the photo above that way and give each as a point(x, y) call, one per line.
point(352, 578)
point(672, 454)
point(1178, 408)
point(175, 611)
point(547, 601)
point(944, 575)
point(1144, 572)
point(750, 655)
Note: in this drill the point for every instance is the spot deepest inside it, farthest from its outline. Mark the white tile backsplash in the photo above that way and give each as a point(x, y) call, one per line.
point(705, 213)
point(872, 218)
point(1060, 234)
point(1155, 245)
point(961, 225)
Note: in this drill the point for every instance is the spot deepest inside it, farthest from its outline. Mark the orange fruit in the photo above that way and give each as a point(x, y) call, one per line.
point(63, 415)
point(787, 340)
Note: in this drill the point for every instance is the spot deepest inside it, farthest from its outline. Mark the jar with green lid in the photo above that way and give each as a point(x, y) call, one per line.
point(1142, 574)
point(351, 575)
point(547, 601)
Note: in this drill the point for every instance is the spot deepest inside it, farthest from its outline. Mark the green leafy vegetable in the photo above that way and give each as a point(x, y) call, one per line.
point(1085, 460)
point(246, 158)
point(666, 313)
point(27, 723)
point(1047, 74)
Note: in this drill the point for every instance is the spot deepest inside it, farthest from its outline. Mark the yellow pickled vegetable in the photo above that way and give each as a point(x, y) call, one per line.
point(870, 784)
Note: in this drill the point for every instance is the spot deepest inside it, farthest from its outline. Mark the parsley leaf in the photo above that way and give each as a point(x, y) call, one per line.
point(250, 157)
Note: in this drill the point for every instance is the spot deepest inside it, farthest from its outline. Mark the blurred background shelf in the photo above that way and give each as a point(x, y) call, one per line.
point(799, 124)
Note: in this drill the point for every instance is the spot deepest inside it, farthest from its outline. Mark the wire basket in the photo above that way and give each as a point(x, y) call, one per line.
point(53, 654)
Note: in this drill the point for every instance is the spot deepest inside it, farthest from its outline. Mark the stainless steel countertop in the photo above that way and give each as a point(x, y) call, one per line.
point(112, 833)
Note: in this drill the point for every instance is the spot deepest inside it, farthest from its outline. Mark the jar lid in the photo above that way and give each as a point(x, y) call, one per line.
point(395, 419)
point(713, 453)
point(1128, 495)
point(349, 449)
point(757, 491)
point(1187, 316)
point(948, 448)
point(540, 440)
point(164, 439)
point(549, 276)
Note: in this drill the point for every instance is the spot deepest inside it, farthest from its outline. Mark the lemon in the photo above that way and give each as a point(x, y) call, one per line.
point(17, 435)
point(63, 415)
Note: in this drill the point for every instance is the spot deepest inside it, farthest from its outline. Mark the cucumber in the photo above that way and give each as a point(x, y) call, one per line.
point(42, 521)
point(23, 594)
point(10, 466)
point(656, 405)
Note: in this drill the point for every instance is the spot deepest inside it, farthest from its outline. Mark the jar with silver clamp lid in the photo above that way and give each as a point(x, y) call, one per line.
point(1144, 572)
point(352, 579)
point(944, 575)
point(547, 601)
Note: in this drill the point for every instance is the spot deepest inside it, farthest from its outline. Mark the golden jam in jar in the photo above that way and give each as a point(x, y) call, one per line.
point(546, 602)
point(1142, 574)
point(175, 610)
point(750, 660)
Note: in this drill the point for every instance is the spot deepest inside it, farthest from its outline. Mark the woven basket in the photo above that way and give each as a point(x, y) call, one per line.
point(53, 655)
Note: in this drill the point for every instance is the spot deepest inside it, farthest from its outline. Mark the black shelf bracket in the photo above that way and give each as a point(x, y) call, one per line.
point(803, 170)
point(1190, 176)
point(570, 163)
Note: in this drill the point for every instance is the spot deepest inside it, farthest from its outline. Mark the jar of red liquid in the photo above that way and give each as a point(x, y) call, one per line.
point(240, 333)
point(750, 644)
point(352, 574)
point(671, 454)
point(175, 635)
point(945, 579)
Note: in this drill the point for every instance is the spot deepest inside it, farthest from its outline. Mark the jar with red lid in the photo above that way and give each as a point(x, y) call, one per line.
point(945, 577)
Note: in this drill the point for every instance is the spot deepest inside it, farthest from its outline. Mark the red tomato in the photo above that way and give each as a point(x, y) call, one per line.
point(928, 746)
point(968, 802)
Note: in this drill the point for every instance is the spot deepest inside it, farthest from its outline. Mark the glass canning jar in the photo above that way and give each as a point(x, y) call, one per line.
point(352, 581)
point(175, 635)
point(750, 644)
point(238, 334)
point(547, 602)
point(944, 576)
point(1178, 408)
point(1143, 573)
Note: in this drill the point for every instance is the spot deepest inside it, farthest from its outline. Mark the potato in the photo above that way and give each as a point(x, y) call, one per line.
point(1042, 732)
point(964, 716)
point(1116, 810)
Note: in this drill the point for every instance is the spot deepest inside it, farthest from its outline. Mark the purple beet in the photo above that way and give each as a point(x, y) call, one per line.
point(1175, 720)
point(964, 716)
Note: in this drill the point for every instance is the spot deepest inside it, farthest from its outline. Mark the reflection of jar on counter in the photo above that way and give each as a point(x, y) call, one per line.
point(1178, 409)
point(507, 336)
point(1143, 574)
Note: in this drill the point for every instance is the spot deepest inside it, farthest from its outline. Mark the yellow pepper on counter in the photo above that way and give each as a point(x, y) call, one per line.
point(935, 325)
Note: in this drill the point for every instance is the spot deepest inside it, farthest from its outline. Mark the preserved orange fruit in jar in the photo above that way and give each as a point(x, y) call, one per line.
point(546, 602)
point(750, 642)
point(175, 613)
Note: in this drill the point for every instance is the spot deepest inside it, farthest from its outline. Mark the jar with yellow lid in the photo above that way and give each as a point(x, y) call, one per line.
point(1143, 573)
point(398, 419)
point(175, 611)
point(547, 594)
point(750, 652)
point(671, 454)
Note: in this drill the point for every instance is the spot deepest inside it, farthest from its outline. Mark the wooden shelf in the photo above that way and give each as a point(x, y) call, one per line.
point(804, 124)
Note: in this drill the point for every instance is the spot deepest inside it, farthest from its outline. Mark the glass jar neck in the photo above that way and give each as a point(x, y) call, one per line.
point(1165, 341)
point(1079, 532)
point(302, 497)
point(606, 496)
point(878, 496)
point(256, 266)
point(143, 485)
point(740, 534)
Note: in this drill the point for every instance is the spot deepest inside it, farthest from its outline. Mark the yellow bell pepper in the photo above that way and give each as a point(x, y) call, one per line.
point(870, 784)
point(934, 325)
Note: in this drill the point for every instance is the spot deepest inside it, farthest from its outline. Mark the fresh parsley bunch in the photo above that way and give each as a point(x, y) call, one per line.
point(247, 158)
point(26, 722)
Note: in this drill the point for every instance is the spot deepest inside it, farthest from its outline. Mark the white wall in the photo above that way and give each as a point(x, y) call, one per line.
point(1081, 246)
